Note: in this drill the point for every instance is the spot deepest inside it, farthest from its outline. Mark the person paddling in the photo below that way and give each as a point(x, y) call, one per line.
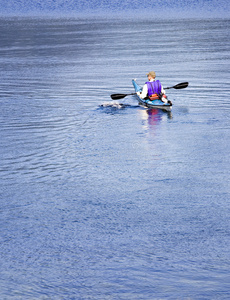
point(152, 89)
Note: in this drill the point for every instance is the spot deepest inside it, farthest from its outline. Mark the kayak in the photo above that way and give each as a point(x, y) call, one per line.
point(151, 103)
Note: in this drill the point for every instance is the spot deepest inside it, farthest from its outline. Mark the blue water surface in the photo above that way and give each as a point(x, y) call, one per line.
point(105, 199)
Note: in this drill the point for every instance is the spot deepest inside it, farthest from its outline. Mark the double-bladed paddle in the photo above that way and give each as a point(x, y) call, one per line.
point(178, 86)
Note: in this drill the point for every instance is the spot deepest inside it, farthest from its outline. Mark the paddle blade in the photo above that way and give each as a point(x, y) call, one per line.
point(182, 85)
point(118, 96)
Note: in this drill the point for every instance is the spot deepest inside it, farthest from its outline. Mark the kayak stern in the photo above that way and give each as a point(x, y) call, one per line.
point(148, 103)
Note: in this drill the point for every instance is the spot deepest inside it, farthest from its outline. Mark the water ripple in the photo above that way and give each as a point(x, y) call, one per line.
point(103, 199)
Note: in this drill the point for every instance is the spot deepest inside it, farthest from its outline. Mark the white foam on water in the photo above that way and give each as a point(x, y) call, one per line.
point(113, 104)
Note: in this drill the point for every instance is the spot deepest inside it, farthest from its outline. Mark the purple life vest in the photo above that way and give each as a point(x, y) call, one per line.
point(154, 87)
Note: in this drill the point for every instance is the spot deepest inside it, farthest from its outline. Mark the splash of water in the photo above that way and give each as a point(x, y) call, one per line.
point(113, 106)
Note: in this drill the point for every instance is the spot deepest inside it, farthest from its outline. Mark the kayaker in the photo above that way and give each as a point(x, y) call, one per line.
point(152, 87)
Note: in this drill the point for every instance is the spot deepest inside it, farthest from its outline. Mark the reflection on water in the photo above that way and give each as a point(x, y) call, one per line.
point(153, 117)
point(156, 115)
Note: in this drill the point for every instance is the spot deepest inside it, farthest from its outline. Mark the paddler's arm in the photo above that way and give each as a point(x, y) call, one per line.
point(144, 92)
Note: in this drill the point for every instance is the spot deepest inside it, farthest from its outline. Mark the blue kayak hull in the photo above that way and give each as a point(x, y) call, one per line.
point(148, 103)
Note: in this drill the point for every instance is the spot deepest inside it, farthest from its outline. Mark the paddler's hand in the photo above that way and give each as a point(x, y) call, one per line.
point(138, 93)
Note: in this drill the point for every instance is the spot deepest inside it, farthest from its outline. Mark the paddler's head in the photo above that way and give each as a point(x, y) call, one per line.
point(151, 75)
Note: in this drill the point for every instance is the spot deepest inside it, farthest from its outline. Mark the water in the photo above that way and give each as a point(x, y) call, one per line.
point(104, 199)
point(148, 9)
